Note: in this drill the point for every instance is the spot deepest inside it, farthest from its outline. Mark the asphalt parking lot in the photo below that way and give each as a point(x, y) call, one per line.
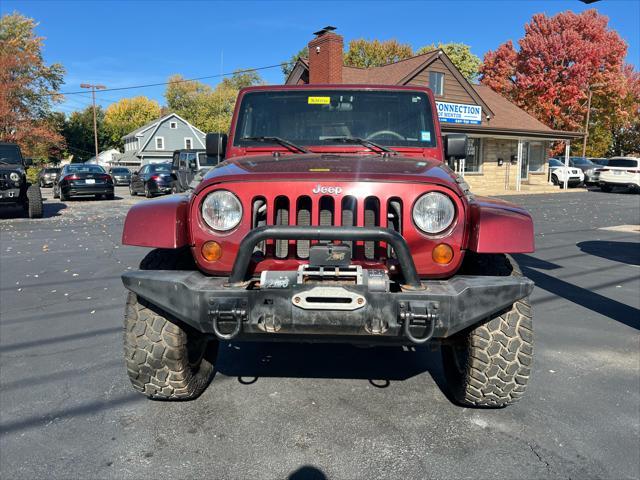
point(316, 411)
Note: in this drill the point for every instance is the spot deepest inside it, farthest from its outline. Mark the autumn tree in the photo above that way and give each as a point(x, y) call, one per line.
point(128, 114)
point(460, 55)
point(557, 62)
point(373, 53)
point(28, 88)
point(209, 109)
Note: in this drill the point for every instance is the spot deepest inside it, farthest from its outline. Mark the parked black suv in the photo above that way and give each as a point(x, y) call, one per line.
point(14, 187)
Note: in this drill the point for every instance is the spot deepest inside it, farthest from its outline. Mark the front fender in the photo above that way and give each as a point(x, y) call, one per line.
point(500, 227)
point(159, 223)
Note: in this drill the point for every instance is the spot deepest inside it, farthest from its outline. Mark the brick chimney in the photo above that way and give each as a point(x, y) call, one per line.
point(325, 57)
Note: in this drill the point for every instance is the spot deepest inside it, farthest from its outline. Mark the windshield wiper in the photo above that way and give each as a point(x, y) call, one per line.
point(362, 141)
point(281, 141)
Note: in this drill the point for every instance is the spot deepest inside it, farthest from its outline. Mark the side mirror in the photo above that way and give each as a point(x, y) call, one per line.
point(216, 144)
point(28, 162)
point(455, 145)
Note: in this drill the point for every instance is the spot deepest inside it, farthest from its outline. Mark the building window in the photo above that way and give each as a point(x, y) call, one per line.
point(188, 142)
point(537, 156)
point(173, 125)
point(473, 160)
point(159, 143)
point(436, 82)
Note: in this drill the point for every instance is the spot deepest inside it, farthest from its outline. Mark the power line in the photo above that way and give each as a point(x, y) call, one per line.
point(80, 92)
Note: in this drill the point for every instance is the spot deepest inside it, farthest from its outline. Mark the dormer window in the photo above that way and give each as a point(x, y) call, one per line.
point(173, 125)
point(159, 143)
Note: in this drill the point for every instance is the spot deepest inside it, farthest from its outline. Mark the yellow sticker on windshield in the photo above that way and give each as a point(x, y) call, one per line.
point(319, 100)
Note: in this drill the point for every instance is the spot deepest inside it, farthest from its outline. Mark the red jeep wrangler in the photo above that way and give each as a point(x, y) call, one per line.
point(333, 217)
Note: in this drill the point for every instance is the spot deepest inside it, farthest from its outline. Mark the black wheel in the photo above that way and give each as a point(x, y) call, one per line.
point(490, 365)
point(605, 188)
point(132, 192)
point(147, 192)
point(165, 358)
point(34, 201)
point(554, 180)
point(174, 188)
point(55, 192)
point(63, 197)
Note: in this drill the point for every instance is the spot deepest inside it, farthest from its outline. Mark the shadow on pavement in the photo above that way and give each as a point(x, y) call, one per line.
point(48, 210)
point(623, 252)
point(248, 361)
point(595, 302)
point(307, 472)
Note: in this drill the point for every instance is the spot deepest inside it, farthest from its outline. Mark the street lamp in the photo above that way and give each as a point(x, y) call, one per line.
point(95, 123)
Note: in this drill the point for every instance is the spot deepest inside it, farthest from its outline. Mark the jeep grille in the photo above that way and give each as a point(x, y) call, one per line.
point(321, 211)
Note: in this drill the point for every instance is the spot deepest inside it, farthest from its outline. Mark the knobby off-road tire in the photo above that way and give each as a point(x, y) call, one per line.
point(165, 358)
point(490, 365)
point(34, 201)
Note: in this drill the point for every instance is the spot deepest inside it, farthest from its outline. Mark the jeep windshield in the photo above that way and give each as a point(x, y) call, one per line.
point(10, 155)
point(331, 117)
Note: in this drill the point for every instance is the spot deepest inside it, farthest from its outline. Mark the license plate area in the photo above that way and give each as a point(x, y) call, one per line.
point(89, 181)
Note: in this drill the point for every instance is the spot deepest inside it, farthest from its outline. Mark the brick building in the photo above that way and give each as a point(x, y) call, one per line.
point(507, 148)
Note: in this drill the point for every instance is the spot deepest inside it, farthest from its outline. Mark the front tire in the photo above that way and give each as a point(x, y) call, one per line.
point(147, 191)
point(490, 365)
point(165, 360)
point(132, 192)
point(34, 201)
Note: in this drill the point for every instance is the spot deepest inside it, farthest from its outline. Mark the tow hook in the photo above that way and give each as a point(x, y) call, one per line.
point(419, 315)
point(237, 314)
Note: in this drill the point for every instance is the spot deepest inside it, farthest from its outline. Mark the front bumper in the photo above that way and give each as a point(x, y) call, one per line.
point(438, 310)
point(10, 195)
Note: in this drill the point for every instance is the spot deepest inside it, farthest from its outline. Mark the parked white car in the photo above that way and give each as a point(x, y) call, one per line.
point(560, 172)
point(620, 172)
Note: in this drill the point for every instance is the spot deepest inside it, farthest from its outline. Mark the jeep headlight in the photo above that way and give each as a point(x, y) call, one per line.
point(433, 212)
point(222, 210)
point(14, 176)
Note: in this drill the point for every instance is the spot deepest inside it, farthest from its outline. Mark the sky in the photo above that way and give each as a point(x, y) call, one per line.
point(124, 43)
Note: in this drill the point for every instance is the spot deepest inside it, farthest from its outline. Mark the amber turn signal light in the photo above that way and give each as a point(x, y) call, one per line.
point(211, 251)
point(442, 254)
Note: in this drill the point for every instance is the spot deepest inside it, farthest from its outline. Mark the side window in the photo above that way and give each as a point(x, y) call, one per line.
point(192, 161)
point(183, 161)
point(176, 159)
point(436, 82)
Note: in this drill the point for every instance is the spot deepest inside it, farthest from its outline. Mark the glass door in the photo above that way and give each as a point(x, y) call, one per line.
point(524, 166)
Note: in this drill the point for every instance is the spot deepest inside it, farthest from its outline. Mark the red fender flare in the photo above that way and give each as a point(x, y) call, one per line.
point(499, 227)
point(158, 223)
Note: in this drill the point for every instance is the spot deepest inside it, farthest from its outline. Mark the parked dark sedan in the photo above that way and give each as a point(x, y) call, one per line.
point(121, 175)
point(79, 179)
point(152, 179)
point(48, 177)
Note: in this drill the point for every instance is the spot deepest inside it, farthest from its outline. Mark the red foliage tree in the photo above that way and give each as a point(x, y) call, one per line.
point(558, 61)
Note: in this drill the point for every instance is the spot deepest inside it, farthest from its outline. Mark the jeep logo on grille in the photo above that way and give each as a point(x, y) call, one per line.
point(322, 189)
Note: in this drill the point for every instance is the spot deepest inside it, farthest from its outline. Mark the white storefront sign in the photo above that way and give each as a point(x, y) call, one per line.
point(459, 113)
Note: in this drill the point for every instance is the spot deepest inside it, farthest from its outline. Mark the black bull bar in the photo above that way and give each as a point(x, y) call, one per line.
point(229, 308)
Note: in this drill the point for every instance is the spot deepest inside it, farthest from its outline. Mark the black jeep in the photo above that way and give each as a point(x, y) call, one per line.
point(14, 187)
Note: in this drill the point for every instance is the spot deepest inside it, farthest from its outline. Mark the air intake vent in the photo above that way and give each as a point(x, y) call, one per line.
point(281, 212)
point(371, 219)
point(303, 218)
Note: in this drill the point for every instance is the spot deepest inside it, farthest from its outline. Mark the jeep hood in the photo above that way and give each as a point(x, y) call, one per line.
point(327, 167)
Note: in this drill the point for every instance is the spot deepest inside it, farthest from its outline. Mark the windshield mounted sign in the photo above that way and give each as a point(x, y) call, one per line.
point(459, 113)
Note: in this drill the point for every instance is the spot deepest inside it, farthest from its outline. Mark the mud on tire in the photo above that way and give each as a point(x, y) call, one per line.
point(490, 365)
point(165, 358)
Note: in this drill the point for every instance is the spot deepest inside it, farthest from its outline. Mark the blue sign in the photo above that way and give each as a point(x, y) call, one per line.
point(459, 113)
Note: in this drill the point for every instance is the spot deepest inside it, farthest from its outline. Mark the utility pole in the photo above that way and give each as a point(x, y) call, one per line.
point(95, 122)
point(586, 122)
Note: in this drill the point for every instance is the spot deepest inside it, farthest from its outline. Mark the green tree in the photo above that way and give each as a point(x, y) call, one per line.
point(373, 53)
point(461, 56)
point(28, 88)
point(78, 133)
point(209, 109)
point(126, 115)
point(287, 67)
